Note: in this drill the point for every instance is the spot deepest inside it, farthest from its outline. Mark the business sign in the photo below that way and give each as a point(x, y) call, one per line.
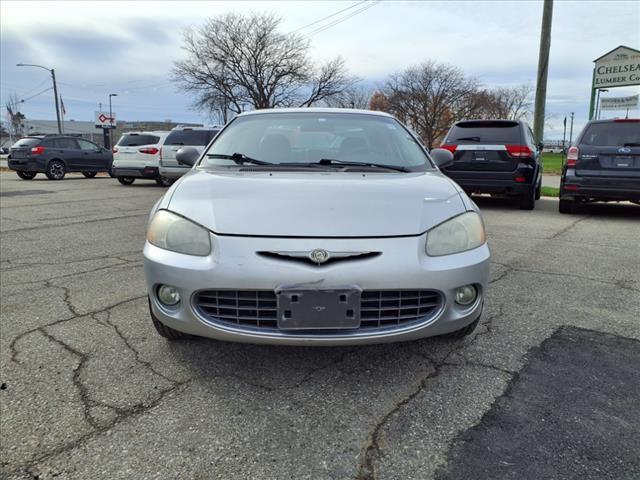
point(618, 103)
point(619, 67)
point(103, 120)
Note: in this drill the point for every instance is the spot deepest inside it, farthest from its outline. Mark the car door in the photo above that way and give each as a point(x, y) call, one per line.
point(93, 157)
point(67, 149)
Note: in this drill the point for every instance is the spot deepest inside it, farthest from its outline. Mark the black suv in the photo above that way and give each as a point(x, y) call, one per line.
point(56, 155)
point(497, 157)
point(603, 164)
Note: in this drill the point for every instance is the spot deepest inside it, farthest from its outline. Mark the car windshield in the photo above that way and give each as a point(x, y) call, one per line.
point(612, 134)
point(327, 139)
point(137, 139)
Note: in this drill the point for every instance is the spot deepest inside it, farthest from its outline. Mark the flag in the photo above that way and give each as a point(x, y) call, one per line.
point(64, 112)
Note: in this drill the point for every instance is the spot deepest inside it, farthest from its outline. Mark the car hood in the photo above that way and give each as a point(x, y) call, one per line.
point(316, 204)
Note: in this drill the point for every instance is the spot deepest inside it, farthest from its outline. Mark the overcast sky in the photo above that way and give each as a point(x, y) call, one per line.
point(128, 48)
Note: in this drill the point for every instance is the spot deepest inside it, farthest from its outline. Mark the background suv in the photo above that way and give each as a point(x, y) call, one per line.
point(495, 156)
point(197, 137)
point(55, 155)
point(603, 165)
point(136, 155)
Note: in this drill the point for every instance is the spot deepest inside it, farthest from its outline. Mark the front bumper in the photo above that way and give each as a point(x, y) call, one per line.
point(144, 172)
point(234, 264)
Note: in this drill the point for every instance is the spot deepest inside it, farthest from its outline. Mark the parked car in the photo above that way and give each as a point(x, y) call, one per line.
point(137, 156)
point(57, 155)
point(497, 157)
point(197, 137)
point(603, 165)
point(276, 236)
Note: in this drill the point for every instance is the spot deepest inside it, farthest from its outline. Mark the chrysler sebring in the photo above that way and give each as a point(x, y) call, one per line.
point(315, 227)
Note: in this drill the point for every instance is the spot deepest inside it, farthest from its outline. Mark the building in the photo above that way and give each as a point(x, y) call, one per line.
point(89, 131)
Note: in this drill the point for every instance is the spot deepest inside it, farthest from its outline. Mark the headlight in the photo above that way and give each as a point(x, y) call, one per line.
point(172, 232)
point(459, 234)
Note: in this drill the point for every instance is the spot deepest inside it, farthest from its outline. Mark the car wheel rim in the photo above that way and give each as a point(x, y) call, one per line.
point(57, 170)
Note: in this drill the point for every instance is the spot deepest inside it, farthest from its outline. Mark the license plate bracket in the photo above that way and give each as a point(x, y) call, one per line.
point(623, 161)
point(307, 309)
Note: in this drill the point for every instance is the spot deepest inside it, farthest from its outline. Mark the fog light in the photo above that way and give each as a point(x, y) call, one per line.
point(168, 295)
point(466, 295)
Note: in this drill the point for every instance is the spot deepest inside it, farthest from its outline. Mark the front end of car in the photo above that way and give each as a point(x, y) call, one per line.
point(256, 289)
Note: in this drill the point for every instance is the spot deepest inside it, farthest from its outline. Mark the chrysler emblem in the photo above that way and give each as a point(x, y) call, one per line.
point(319, 256)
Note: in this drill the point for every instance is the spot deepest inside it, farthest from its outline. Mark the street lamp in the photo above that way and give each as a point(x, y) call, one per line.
point(598, 106)
point(111, 119)
point(55, 89)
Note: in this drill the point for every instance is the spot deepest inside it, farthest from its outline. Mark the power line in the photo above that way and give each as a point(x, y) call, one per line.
point(34, 96)
point(342, 19)
point(328, 16)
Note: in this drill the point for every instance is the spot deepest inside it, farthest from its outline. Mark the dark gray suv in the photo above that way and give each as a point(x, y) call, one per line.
point(56, 155)
point(603, 165)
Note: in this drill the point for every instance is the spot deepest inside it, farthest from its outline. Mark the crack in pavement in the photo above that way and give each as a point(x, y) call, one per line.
point(568, 227)
point(58, 225)
point(23, 265)
point(372, 450)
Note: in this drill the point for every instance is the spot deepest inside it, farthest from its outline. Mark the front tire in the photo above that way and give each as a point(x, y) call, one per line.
point(164, 331)
point(26, 175)
point(56, 170)
point(126, 180)
point(89, 174)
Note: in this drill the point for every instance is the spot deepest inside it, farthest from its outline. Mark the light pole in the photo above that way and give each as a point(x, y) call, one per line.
point(55, 89)
point(598, 106)
point(111, 119)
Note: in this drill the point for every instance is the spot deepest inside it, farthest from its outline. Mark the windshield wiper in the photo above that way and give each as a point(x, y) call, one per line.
point(469, 139)
point(632, 144)
point(239, 158)
point(346, 163)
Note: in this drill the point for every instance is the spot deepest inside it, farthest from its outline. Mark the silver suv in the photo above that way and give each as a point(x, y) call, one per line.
point(197, 137)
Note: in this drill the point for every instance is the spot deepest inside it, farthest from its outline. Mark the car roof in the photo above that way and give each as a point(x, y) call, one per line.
point(187, 127)
point(615, 120)
point(316, 110)
point(155, 132)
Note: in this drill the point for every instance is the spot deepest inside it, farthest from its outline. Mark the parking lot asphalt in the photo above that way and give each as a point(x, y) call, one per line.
point(89, 390)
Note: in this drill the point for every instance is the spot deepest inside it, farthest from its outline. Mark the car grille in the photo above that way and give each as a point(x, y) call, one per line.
point(259, 308)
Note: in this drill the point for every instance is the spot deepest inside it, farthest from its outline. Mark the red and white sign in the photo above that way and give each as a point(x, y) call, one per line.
point(103, 120)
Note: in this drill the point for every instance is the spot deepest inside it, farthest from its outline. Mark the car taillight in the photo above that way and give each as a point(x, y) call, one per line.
point(572, 156)
point(520, 179)
point(451, 148)
point(37, 150)
point(114, 149)
point(519, 151)
point(149, 150)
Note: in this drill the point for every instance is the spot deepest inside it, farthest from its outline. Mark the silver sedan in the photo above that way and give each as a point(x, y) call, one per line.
point(315, 227)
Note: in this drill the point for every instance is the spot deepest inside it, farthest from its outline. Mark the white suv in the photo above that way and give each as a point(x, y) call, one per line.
point(197, 137)
point(137, 155)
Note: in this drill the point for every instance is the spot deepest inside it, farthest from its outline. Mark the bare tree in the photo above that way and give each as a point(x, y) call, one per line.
point(15, 117)
point(430, 97)
point(237, 61)
point(511, 103)
point(354, 96)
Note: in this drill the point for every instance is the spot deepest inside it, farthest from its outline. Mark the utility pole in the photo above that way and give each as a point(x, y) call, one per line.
point(571, 130)
point(55, 89)
point(111, 120)
point(543, 70)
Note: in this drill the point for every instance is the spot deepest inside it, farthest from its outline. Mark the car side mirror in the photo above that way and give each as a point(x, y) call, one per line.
point(441, 157)
point(187, 156)
point(540, 146)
